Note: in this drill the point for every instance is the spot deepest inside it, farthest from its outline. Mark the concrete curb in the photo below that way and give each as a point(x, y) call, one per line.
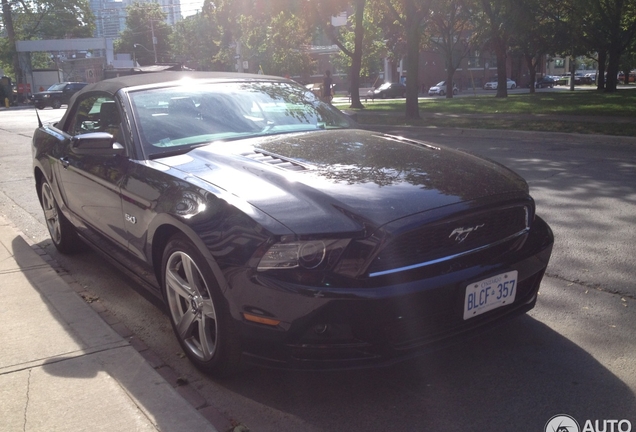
point(92, 343)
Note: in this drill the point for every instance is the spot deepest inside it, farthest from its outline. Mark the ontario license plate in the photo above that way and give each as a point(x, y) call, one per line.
point(489, 294)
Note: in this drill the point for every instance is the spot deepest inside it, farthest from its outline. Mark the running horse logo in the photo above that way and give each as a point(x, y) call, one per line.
point(461, 233)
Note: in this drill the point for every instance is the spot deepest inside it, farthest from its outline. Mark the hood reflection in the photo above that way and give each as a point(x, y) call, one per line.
point(359, 157)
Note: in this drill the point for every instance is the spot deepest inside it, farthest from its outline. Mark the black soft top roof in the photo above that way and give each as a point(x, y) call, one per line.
point(113, 85)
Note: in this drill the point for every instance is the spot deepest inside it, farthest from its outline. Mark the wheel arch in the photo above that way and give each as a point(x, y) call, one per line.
point(38, 175)
point(166, 228)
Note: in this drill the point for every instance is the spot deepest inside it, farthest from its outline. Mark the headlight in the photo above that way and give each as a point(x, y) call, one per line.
point(309, 255)
point(47, 96)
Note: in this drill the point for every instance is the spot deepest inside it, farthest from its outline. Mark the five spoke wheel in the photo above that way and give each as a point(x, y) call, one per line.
point(191, 307)
point(199, 312)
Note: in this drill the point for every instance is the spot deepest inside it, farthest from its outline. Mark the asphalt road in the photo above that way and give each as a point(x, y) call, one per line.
point(575, 353)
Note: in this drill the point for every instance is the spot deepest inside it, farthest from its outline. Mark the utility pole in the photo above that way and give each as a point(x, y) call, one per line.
point(154, 39)
point(8, 24)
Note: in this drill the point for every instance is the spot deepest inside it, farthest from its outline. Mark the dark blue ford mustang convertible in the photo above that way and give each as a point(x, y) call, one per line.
point(277, 232)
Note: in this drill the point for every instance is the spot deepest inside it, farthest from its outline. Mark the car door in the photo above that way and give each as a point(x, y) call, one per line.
point(91, 181)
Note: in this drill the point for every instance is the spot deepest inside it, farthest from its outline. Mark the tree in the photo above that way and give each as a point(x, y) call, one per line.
point(373, 48)
point(534, 34)
point(496, 19)
point(616, 21)
point(410, 14)
point(321, 12)
point(196, 39)
point(47, 19)
point(450, 29)
point(356, 53)
point(274, 44)
point(147, 35)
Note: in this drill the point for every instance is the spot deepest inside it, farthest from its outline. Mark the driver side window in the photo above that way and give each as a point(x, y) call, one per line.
point(96, 114)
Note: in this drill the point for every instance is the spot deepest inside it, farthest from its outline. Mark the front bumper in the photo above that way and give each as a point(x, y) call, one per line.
point(41, 101)
point(392, 320)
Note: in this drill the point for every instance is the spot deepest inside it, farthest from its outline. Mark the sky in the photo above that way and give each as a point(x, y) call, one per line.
point(190, 7)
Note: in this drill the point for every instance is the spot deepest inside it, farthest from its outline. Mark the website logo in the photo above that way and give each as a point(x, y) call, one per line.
point(562, 423)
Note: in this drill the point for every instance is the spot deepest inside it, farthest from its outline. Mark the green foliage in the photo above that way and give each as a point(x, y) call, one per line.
point(45, 19)
point(277, 45)
point(143, 19)
point(196, 41)
point(53, 19)
point(373, 47)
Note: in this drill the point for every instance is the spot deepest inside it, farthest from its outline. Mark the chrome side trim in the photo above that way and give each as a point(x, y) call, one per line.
point(450, 257)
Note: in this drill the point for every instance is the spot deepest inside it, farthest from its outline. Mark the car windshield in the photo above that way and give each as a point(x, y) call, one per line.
point(385, 86)
point(440, 84)
point(57, 87)
point(176, 119)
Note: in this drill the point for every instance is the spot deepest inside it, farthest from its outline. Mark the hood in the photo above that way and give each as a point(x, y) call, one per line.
point(345, 180)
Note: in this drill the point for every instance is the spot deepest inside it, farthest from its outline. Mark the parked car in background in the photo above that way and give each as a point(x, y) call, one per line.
point(562, 79)
point(57, 95)
point(632, 76)
point(276, 231)
point(582, 79)
point(546, 81)
point(439, 89)
point(492, 85)
point(389, 90)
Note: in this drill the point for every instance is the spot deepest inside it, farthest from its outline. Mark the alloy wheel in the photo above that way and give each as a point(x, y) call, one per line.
point(51, 214)
point(191, 307)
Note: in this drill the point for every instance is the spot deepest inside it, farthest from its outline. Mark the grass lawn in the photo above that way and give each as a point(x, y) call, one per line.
point(581, 111)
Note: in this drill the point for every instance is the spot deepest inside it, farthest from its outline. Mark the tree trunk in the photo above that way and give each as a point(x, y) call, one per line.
point(502, 73)
point(450, 73)
point(532, 70)
point(8, 24)
point(412, 68)
point(356, 60)
point(450, 70)
point(614, 57)
point(572, 72)
point(600, 77)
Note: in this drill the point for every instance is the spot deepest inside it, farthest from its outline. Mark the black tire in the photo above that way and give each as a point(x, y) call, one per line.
point(62, 232)
point(195, 304)
point(56, 103)
point(40, 106)
point(512, 87)
point(442, 93)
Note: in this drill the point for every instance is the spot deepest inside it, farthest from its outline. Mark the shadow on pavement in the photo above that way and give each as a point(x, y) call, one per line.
point(513, 378)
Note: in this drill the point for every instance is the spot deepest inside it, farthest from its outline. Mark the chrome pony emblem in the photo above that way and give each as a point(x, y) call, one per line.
point(460, 234)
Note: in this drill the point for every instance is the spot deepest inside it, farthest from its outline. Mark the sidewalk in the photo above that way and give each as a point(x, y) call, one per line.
point(63, 368)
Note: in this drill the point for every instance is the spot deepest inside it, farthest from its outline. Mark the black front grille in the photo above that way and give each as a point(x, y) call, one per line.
point(450, 237)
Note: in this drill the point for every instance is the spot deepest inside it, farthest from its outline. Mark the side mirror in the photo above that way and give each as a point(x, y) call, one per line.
point(96, 144)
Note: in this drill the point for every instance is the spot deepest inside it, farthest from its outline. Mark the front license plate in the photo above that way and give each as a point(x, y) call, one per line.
point(489, 294)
